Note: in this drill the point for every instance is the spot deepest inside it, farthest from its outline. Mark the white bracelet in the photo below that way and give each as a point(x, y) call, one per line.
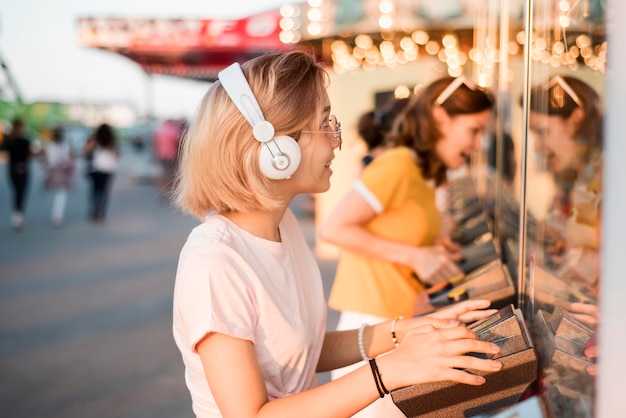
point(360, 338)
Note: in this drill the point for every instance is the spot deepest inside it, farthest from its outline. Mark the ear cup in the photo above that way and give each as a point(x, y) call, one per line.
point(279, 158)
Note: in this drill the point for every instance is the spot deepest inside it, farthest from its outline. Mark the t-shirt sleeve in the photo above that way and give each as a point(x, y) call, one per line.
point(217, 287)
point(385, 178)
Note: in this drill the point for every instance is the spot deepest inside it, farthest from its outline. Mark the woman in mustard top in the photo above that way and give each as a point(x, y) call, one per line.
point(388, 224)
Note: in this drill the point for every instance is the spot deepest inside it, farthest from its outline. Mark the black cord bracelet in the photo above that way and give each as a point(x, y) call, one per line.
point(382, 390)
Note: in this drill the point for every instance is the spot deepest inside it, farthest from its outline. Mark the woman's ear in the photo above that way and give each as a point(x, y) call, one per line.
point(577, 117)
point(440, 115)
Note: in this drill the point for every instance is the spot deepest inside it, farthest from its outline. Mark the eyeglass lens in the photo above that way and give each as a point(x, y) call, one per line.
point(335, 125)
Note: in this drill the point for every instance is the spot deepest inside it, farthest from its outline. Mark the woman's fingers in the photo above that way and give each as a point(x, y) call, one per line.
point(417, 322)
point(442, 355)
point(472, 305)
point(591, 352)
point(437, 265)
point(424, 329)
point(472, 316)
point(586, 308)
point(462, 372)
point(461, 376)
point(450, 341)
point(466, 309)
point(585, 312)
point(452, 247)
point(477, 346)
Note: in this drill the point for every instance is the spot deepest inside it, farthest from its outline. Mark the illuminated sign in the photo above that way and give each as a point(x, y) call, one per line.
point(260, 31)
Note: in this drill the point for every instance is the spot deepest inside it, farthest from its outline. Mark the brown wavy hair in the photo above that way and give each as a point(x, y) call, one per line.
point(555, 101)
point(417, 128)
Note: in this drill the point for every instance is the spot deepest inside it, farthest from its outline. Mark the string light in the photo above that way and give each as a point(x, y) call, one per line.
point(392, 45)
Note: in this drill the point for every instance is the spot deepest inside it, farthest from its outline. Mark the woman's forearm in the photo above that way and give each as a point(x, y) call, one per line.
point(338, 398)
point(341, 348)
point(359, 240)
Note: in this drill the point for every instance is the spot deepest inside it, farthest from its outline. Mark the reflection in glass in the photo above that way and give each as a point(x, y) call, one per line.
point(565, 121)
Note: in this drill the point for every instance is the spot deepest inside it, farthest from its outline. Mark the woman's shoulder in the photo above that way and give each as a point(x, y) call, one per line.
point(395, 169)
point(399, 155)
point(212, 238)
point(397, 159)
point(399, 152)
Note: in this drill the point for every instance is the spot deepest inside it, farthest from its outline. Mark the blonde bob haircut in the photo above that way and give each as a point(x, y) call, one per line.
point(219, 157)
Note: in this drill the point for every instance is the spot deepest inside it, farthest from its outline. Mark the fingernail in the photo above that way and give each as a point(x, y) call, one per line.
point(481, 379)
point(495, 348)
point(496, 365)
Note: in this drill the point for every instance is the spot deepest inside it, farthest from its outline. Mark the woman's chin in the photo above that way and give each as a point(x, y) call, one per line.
point(456, 164)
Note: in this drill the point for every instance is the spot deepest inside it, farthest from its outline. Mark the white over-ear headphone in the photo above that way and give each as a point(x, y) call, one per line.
point(279, 156)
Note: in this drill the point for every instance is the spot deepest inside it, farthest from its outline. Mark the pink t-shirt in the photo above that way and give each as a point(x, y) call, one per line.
point(270, 293)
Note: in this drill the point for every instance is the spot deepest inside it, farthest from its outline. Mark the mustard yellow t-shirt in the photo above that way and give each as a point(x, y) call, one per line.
point(406, 212)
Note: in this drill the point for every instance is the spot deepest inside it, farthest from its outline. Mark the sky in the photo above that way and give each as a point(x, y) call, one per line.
point(38, 42)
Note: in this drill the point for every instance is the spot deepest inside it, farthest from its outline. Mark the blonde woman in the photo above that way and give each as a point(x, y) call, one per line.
point(249, 308)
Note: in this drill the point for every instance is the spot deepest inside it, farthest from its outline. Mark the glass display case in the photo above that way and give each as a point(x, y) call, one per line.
point(529, 213)
point(547, 206)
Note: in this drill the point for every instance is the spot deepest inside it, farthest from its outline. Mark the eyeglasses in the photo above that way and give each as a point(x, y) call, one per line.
point(452, 87)
point(335, 127)
point(560, 81)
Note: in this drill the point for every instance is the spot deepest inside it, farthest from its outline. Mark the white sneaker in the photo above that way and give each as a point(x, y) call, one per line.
point(17, 220)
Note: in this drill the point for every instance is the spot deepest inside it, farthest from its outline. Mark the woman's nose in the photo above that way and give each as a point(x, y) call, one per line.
point(338, 141)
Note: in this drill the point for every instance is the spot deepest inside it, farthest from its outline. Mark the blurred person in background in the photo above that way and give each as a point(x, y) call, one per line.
point(166, 141)
point(375, 124)
point(20, 150)
point(60, 168)
point(388, 226)
point(102, 151)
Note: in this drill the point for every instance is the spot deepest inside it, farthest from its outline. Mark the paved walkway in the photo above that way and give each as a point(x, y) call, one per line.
point(85, 310)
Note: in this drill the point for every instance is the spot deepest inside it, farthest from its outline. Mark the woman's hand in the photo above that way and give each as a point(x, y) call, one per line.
point(427, 354)
point(588, 314)
point(591, 352)
point(585, 312)
point(466, 311)
point(435, 264)
point(452, 247)
point(451, 316)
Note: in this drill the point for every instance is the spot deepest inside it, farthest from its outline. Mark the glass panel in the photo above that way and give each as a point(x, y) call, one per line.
point(562, 190)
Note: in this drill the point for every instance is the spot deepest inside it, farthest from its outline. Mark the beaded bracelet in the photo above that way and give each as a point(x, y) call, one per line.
point(393, 330)
point(360, 340)
point(382, 390)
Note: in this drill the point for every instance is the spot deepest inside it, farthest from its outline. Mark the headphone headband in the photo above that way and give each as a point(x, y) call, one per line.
point(238, 89)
